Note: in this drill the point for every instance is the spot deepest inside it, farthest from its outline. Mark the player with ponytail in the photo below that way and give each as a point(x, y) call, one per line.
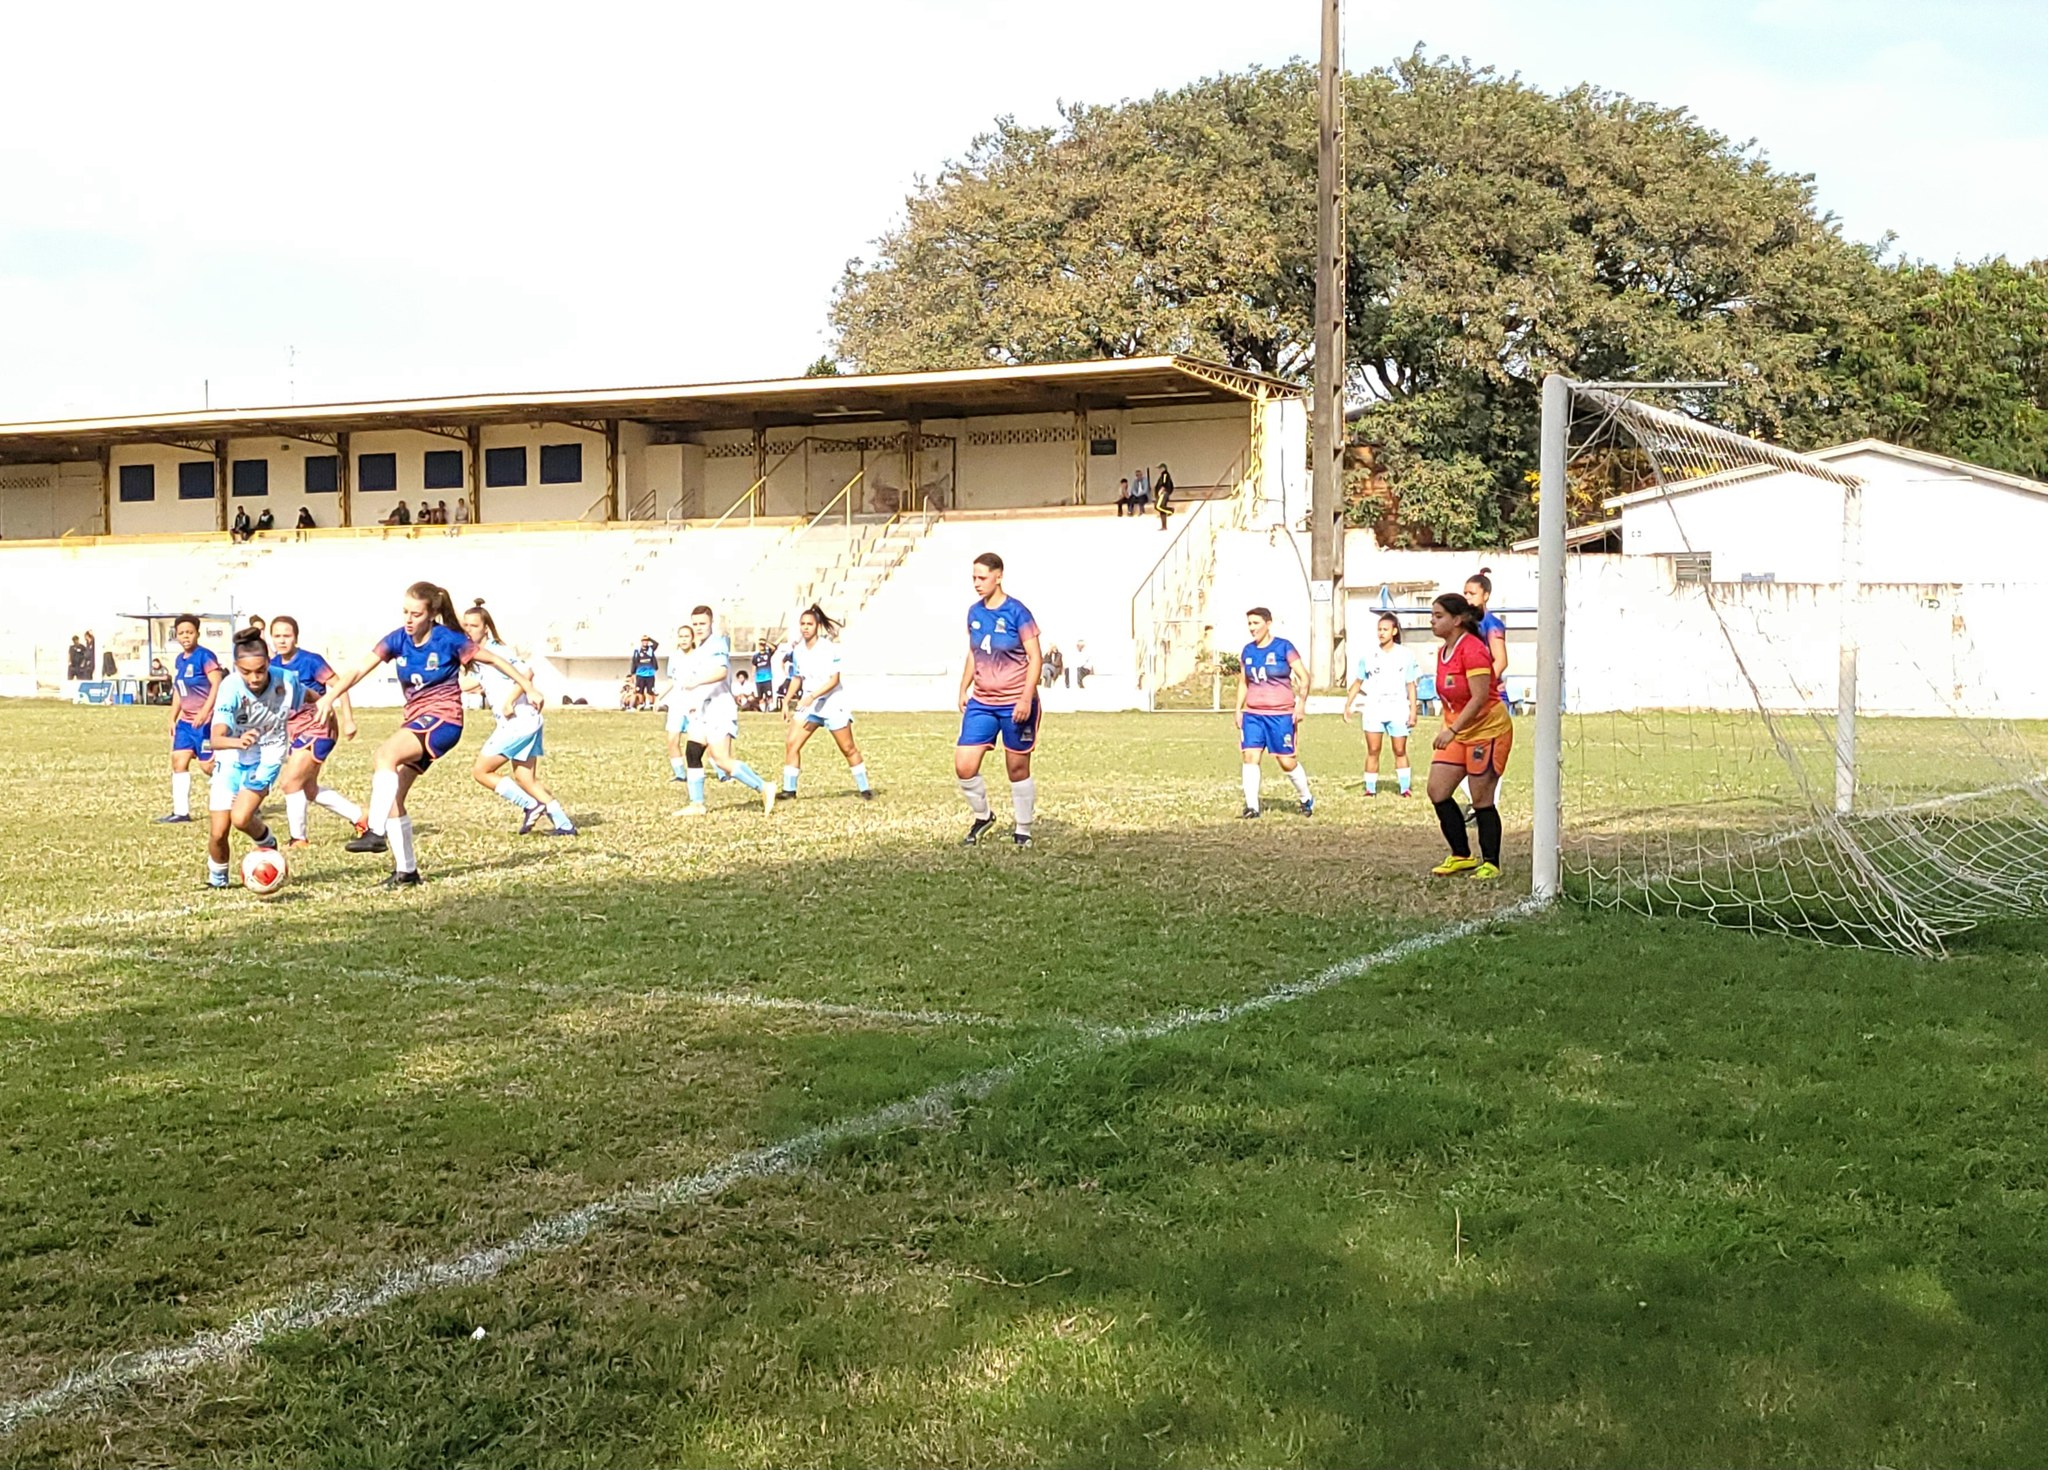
point(1474, 743)
point(518, 739)
point(429, 651)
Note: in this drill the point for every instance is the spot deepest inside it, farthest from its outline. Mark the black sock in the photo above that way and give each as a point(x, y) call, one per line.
point(1452, 821)
point(1489, 833)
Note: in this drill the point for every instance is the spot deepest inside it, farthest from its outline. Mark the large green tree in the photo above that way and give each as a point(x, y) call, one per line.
point(1495, 232)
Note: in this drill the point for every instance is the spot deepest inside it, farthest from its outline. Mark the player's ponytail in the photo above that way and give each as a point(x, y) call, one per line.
point(827, 625)
point(1482, 579)
point(250, 641)
point(440, 606)
point(1465, 613)
point(483, 614)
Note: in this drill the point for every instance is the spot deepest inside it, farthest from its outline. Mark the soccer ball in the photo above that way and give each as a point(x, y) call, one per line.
point(264, 872)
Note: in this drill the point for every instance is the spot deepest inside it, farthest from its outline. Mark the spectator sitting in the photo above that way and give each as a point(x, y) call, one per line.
point(441, 513)
point(1084, 664)
point(1055, 666)
point(266, 521)
point(242, 528)
point(157, 669)
point(107, 664)
point(305, 518)
point(1123, 499)
point(424, 516)
point(462, 511)
point(1141, 490)
point(1162, 493)
point(629, 697)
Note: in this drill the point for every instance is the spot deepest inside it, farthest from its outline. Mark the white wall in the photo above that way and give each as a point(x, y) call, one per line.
point(535, 501)
point(167, 512)
point(48, 500)
point(411, 447)
point(1920, 524)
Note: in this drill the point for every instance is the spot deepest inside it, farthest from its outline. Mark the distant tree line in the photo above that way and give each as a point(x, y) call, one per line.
point(1496, 233)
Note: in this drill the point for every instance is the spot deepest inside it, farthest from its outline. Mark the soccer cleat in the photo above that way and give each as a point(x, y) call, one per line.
point(1308, 806)
point(1485, 873)
point(678, 778)
point(1249, 814)
point(768, 801)
point(529, 817)
point(694, 809)
point(1450, 867)
point(216, 880)
point(298, 842)
point(368, 841)
point(1021, 839)
point(865, 795)
point(787, 795)
point(269, 842)
point(568, 831)
point(1408, 793)
point(172, 817)
point(1372, 791)
point(402, 880)
point(974, 831)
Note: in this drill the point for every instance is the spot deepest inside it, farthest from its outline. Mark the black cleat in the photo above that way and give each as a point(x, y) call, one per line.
point(1021, 839)
point(787, 795)
point(170, 817)
point(981, 825)
point(1249, 814)
point(402, 880)
point(865, 795)
point(368, 842)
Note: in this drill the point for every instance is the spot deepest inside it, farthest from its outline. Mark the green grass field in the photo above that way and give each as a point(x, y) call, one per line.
point(1569, 1189)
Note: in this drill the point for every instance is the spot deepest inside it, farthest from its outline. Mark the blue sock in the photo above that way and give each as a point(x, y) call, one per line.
point(860, 777)
point(559, 817)
point(789, 780)
point(696, 780)
point(748, 777)
point(1372, 782)
point(675, 765)
point(509, 790)
point(1403, 776)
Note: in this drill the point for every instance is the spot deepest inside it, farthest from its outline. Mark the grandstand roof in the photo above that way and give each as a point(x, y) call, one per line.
point(773, 403)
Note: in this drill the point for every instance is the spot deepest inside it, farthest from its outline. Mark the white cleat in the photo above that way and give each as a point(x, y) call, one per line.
point(694, 809)
point(768, 801)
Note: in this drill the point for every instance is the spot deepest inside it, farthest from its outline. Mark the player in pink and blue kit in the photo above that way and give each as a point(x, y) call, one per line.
point(1270, 702)
point(195, 680)
point(998, 700)
point(428, 650)
point(312, 742)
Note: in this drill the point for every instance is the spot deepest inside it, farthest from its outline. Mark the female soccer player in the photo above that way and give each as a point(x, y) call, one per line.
point(1386, 676)
point(680, 701)
point(518, 738)
point(430, 650)
point(998, 701)
point(252, 730)
point(1271, 697)
point(817, 699)
point(1473, 745)
point(1493, 632)
point(312, 742)
point(195, 680)
point(714, 720)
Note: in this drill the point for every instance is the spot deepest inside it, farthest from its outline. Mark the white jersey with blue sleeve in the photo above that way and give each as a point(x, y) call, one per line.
point(1384, 675)
point(242, 711)
point(818, 664)
point(498, 687)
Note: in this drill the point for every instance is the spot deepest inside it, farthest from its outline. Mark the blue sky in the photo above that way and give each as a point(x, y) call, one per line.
point(321, 202)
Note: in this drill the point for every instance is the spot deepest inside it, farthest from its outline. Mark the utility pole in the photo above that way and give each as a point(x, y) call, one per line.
point(1326, 429)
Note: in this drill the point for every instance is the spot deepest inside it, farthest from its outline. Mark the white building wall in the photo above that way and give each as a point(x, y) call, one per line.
point(410, 447)
point(534, 501)
point(39, 501)
point(167, 512)
point(1919, 523)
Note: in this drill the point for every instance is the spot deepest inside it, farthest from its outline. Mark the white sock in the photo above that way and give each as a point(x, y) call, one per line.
point(1372, 782)
point(214, 867)
point(383, 797)
point(789, 775)
point(976, 791)
point(1251, 787)
point(1023, 802)
point(181, 793)
point(1402, 776)
point(295, 813)
point(509, 790)
point(1299, 776)
point(340, 805)
point(403, 858)
point(860, 776)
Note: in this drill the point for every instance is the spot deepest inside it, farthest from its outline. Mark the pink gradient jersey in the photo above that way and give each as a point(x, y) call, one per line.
point(1268, 677)
point(429, 672)
point(995, 636)
point(188, 676)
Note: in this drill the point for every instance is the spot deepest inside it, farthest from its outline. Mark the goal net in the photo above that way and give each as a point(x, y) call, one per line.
point(1744, 722)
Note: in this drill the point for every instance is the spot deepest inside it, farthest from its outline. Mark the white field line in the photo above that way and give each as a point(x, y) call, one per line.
point(560, 990)
point(312, 1307)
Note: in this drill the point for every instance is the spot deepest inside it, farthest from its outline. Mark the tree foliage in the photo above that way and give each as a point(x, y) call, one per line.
point(1495, 233)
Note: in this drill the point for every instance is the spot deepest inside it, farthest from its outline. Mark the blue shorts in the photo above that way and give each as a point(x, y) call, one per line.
point(437, 738)
point(232, 776)
point(322, 746)
point(516, 740)
point(196, 738)
point(1396, 729)
point(1269, 732)
point(984, 724)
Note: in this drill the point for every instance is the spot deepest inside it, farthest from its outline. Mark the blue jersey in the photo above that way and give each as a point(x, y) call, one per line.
point(312, 672)
point(430, 672)
point(188, 677)
point(1268, 676)
point(995, 639)
point(1488, 626)
point(645, 661)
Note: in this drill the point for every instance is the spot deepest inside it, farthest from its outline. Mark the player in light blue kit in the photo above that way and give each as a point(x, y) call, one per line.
point(816, 700)
point(1386, 677)
point(998, 701)
point(1271, 697)
point(714, 720)
point(517, 741)
point(252, 733)
point(195, 680)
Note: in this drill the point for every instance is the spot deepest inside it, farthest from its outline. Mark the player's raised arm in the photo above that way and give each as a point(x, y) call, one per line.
point(346, 680)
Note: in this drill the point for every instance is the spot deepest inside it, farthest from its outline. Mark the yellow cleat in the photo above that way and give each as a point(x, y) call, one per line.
point(1485, 873)
point(1450, 867)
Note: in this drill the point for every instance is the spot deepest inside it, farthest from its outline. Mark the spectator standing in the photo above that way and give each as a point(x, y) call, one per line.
point(107, 665)
point(646, 664)
point(74, 659)
point(1162, 493)
point(764, 675)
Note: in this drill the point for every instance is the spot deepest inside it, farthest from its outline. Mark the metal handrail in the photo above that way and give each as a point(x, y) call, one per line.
point(1178, 549)
point(846, 494)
